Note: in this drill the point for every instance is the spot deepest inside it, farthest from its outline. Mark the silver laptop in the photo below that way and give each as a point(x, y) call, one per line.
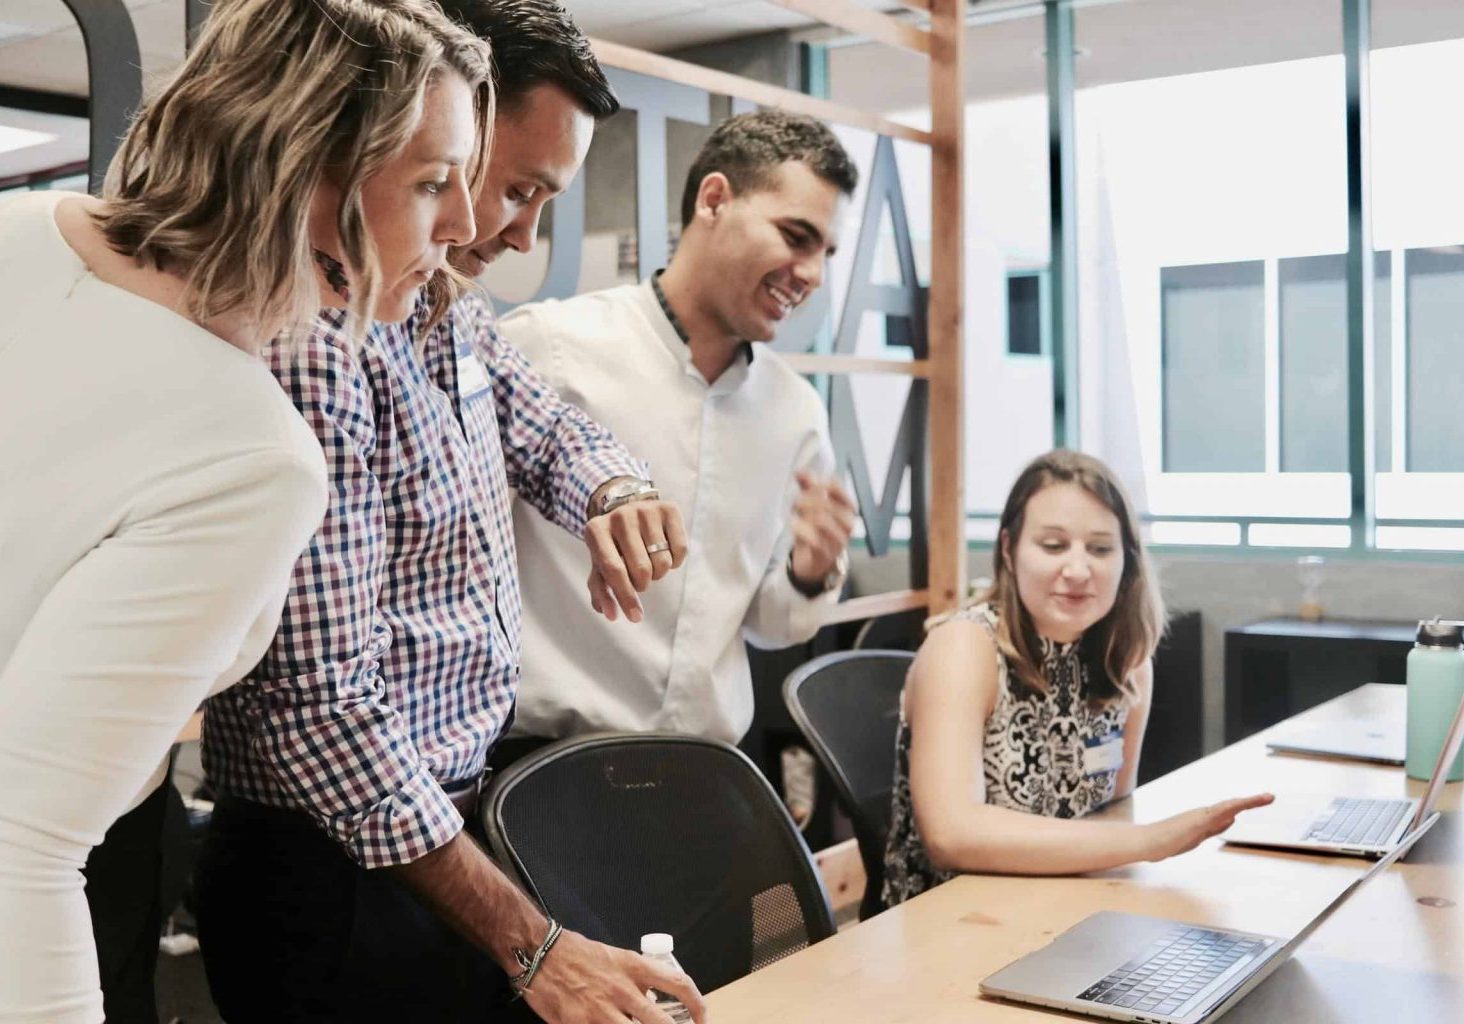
point(1352, 826)
point(1380, 742)
point(1135, 968)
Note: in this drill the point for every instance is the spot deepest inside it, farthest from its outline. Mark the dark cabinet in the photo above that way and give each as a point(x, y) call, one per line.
point(1175, 735)
point(1276, 668)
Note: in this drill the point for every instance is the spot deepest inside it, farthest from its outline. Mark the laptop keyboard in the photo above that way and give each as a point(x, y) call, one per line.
point(1171, 971)
point(1364, 822)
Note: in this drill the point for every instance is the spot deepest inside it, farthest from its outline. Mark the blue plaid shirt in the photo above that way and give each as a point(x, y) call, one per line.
point(397, 658)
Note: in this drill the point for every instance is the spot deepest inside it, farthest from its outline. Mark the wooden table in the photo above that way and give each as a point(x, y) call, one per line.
point(1393, 954)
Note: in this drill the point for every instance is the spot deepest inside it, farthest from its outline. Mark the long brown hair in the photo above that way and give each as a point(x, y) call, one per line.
point(216, 174)
point(1120, 642)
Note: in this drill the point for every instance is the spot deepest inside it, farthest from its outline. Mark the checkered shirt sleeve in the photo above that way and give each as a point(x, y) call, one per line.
point(317, 722)
point(396, 660)
point(555, 455)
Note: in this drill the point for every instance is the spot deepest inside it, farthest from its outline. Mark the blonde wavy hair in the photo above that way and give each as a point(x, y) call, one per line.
point(215, 177)
point(1117, 644)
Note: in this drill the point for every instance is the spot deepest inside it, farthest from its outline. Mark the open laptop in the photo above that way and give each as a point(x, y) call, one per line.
point(1135, 968)
point(1382, 742)
point(1351, 826)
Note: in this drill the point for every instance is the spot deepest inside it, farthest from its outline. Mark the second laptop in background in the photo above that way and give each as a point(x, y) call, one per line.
point(1379, 742)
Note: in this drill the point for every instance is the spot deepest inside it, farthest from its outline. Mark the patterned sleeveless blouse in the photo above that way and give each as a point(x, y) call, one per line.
point(1035, 749)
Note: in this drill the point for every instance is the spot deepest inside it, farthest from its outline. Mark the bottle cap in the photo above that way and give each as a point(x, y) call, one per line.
point(657, 944)
point(1437, 633)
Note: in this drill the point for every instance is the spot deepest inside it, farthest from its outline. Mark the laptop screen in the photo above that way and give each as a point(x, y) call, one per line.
point(1404, 845)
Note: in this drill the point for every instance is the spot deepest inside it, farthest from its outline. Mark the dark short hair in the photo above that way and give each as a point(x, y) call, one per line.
point(748, 147)
point(534, 42)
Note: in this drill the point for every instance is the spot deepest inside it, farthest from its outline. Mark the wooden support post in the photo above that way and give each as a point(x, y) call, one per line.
point(947, 281)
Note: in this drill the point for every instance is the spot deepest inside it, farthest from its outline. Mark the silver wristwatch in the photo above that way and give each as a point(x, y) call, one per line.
point(818, 588)
point(624, 492)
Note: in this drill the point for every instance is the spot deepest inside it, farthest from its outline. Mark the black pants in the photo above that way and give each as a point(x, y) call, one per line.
point(123, 890)
point(293, 930)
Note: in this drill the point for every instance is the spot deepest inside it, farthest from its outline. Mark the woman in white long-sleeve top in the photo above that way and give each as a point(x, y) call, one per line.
point(156, 485)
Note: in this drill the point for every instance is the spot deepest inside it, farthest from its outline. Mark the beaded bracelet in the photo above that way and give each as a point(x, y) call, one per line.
point(531, 964)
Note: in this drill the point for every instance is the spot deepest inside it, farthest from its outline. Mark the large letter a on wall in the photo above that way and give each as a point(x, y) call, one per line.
point(903, 306)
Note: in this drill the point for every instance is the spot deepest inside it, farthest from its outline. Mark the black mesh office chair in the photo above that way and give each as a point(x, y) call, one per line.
point(897, 631)
point(622, 834)
point(848, 706)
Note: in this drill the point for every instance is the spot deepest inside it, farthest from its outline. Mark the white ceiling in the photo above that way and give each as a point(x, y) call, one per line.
point(47, 53)
point(41, 48)
point(1136, 39)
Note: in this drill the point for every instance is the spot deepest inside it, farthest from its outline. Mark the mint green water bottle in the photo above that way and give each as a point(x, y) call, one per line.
point(1435, 687)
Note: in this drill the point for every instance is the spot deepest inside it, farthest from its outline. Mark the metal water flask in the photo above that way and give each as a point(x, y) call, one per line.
point(1435, 687)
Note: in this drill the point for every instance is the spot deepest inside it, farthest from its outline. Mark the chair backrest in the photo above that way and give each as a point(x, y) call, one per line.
point(848, 706)
point(622, 834)
point(897, 631)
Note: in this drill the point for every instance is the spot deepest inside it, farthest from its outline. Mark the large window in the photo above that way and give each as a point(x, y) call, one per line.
point(1312, 305)
point(1214, 376)
point(1236, 402)
point(1203, 200)
point(1211, 216)
point(1214, 309)
point(1417, 77)
point(1435, 360)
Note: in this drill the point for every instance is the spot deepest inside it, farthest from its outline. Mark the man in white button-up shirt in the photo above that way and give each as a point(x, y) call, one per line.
point(733, 436)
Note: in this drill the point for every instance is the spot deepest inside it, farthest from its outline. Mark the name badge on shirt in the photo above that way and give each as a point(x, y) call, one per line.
point(472, 376)
point(1103, 754)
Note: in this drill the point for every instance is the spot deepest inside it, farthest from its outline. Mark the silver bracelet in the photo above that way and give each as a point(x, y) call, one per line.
point(530, 964)
point(623, 493)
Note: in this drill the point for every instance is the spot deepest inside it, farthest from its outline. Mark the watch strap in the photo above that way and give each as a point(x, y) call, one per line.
point(625, 493)
point(818, 588)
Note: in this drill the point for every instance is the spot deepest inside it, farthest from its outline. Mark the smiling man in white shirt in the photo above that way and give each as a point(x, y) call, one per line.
point(733, 435)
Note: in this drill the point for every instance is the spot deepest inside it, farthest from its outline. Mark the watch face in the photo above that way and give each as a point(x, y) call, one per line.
point(619, 493)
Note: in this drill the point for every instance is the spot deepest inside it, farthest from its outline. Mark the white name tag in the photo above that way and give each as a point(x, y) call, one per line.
point(472, 377)
point(1102, 756)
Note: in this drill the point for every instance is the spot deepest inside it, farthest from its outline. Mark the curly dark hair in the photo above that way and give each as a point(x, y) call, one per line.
point(747, 147)
point(536, 41)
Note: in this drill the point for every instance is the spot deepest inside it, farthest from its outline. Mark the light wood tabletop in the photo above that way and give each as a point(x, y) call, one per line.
point(1393, 953)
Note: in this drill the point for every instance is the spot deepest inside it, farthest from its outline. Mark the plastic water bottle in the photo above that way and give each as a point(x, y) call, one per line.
point(1435, 687)
point(659, 946)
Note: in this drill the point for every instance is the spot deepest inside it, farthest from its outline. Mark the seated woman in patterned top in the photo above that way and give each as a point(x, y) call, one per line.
point(1027, 711)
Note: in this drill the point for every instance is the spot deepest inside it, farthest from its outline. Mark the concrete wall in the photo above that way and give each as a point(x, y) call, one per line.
point(610, 167)
point(1232, 589)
